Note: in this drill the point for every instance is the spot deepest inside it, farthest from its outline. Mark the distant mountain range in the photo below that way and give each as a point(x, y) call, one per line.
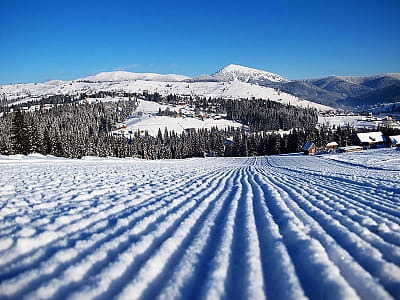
point(232, 81)
point(332, 90)
point(126, 76)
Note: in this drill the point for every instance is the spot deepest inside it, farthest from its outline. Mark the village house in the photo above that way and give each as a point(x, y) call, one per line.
point(371, 139)
point(309, 148)
point(332, 146)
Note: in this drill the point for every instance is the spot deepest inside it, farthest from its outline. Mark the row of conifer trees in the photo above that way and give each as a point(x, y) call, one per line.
point(74, 128)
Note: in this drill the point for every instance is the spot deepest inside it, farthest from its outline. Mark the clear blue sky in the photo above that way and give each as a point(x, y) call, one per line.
point(42, 40)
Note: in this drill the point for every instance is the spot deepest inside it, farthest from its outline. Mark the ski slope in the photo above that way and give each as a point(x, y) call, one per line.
point(278, 227)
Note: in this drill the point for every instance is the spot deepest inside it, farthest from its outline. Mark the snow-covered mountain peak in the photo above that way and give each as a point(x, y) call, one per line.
point(234, 72)
point(124, 76)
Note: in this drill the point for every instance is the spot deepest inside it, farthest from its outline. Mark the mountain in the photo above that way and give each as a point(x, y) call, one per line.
point(374, 81)
point(359, 90)
point(125, 76)
point(307, 91)
point(334, 90)
point(232, 81)
point(240, 73)
point(340, 85)
point(390, 94)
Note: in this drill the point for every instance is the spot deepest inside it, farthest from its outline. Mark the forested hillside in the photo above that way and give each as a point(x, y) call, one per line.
point(76, 127)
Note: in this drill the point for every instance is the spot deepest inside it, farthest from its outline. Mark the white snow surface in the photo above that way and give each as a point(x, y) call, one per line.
point(227, 90)
point(146, 119)
point(123, 75)
point(278, 227)
point(234, 72)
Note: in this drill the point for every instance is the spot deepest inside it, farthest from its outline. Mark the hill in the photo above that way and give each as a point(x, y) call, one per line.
point(390, 94)
point(232, 81)
point(240, 73)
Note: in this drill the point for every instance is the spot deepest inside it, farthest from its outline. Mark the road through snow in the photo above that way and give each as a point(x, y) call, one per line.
point(278, 227)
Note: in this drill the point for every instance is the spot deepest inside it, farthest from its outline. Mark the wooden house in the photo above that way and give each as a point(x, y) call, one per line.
point(371, 139)
point(309, 148)
point(332, 146)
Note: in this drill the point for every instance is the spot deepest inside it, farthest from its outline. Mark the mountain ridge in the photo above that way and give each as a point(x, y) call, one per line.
point(125, 76)
point(234, 72)
point(244, 82)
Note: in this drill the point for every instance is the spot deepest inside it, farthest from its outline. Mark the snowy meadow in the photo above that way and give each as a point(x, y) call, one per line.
point(277, 227)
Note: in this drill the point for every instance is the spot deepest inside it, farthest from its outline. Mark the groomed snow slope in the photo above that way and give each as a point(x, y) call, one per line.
point(279, 227)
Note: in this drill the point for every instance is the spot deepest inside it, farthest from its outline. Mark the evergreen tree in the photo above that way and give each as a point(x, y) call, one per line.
point(19, 134)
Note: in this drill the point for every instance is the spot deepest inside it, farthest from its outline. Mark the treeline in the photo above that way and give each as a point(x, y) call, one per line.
point(64, 99)
point(74, 129)
point(257, 114)
point(69, 130)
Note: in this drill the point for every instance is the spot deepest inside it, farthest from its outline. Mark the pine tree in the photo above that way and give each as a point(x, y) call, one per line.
point(19, 134)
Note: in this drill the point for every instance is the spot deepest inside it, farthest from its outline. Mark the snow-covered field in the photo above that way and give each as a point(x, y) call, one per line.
point(278, 227)
point(227, 90)
point(358, 121)
point(146, 119)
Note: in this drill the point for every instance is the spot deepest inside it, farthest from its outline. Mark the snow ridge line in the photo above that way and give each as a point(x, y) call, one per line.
point(111, 216)
point(216, 175)
point(201, 228)
point(183, 236)
point(245, 261)
point(341, 257)
point(328, 203)
point(278, 270)
point(367, 256)
point(308, 255)
point(183, 278)
point(334, 185)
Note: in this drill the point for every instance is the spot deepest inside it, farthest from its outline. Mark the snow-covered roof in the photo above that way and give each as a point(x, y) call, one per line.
point(332, 144)
point(307, 146)
point(371, 137)
point(351, 148)
point(395, 139)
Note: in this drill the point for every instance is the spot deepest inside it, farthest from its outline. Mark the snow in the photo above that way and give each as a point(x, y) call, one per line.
point(362, 122)
point(395, 139)
point(234, 72)
point(388, 159)
point(337, 121)
point(253, 228)
point(227, 90)
point(332, 144)
point(371, 137)
point(123, 75)
point(152, 124)
point(146, 119)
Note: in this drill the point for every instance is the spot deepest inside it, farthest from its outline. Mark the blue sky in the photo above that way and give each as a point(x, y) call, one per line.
point(43, 40)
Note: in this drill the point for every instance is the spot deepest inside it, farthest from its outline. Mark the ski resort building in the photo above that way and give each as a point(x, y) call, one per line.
point(371, 139)
point(309, 148)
